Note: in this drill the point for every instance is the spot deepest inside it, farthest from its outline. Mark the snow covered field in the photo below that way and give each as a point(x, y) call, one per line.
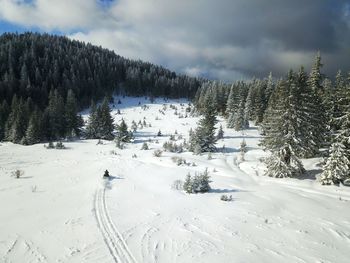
point(61, 210)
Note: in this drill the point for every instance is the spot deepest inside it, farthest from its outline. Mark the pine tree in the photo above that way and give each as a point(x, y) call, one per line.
point(123, 135)
point(309, 125)
point(220, 134)
point(33, 133)
point(240, 123)
point(316, 77)
point(282, 131)
point(56, 110)
point(92, 126)
point(337, 167)
point(270, 86)
point(187, 186)
point(204, 136)
point(71, 111)
point(249, 106)
point(203, 182)
point(17, 122)
point(260, 102)
point(343, 134)
point(105, 121)
point(231, 120)
point(133, 126)
point(292, 118)
point(282, 164)
point(233, 100)
point(4, 113)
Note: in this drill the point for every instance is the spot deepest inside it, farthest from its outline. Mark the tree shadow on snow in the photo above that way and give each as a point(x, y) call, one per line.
point(310, 174)
point(24, 177)
point(228, 150)
point(225, 191)
point(112, 178)
point(242, 137)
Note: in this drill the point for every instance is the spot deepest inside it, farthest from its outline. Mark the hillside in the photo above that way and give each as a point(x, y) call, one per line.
point(46, 79)
point(62, 210)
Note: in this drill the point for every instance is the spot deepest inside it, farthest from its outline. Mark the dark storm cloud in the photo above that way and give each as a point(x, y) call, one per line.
point(225, 39)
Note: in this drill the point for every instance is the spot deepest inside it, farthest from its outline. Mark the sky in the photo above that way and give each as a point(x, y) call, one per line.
point(218, 39)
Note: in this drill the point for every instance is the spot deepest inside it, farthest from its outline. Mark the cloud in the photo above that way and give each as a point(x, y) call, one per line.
point(56, 14)
point(226, 39)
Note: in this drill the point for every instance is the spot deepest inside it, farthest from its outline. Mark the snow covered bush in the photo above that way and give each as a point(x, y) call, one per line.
point(173, 147)
point(283, 164)
point(144, 146)
point(226, 198)
point(60, 146)
point(179, 160)
point(177, 185)
point(157, 153)
point(119, 144)
point(17, 173)
point(50, 146)
point(199, 183)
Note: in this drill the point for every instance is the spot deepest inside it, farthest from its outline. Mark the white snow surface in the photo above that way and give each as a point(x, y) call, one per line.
point(62, 210)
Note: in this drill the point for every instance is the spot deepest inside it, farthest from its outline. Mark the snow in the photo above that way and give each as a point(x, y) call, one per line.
point(61, 210)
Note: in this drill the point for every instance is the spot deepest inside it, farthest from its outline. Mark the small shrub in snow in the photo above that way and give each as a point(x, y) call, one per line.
point(119, 144)
point(243, 146)
point(179, 161)
point(133, 126)
point(210, 157)
point(17, 173)
point(157, 153)
point(134, 155)
point(34, 187)
point(159, 133)
point(177, 185)
point(60, 146)
point(172, 138)
point(226, 198)
point(50, 146)
point(173, 147)
point(144, 146)
point(113, 152)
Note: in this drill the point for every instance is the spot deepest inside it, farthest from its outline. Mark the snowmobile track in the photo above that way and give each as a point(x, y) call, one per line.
point(113, 239)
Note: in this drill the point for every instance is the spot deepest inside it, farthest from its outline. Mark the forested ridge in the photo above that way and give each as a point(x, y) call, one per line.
point(46, 78)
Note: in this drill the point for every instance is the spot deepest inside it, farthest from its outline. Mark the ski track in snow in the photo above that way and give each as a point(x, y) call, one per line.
point(22, 247)
point(113, 239)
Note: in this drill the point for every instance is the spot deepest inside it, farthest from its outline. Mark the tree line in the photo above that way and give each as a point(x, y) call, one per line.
point(300, 115)
point(41, 75)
